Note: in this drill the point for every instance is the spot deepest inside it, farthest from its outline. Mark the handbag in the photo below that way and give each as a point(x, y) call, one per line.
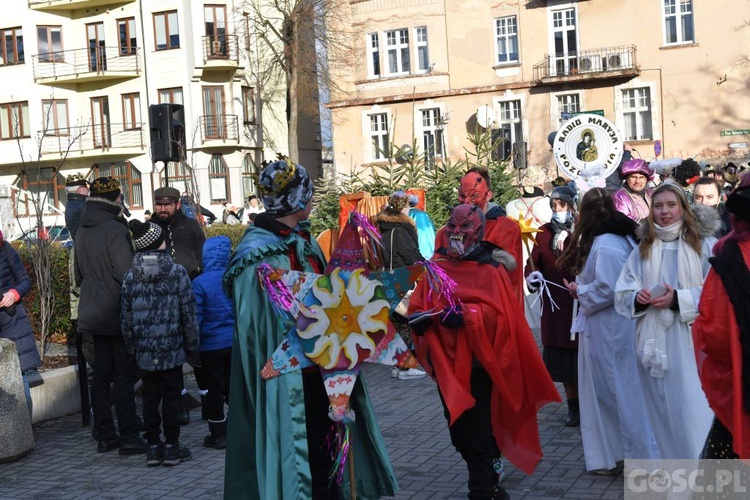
point(402, 307)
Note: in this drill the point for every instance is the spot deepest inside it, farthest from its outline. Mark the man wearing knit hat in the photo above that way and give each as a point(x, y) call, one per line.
point(104, 253)
point(159, 336)
point(296, 403)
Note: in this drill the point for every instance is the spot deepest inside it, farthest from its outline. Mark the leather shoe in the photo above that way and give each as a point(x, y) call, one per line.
point(133, 446)
point(106, 445)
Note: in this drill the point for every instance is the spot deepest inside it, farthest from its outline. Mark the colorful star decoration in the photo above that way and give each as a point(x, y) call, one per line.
point(342, 320)
point(527, 231)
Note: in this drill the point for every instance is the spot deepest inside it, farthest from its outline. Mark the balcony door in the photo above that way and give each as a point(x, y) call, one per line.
point(564, 42)
point(213, 113)
point(97, 49)
point(100, 129)
point(216, 31)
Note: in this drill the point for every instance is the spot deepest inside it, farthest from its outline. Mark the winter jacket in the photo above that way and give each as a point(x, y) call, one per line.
point(185, 240)
point(158, 312)
point(16, 327)
point(103, 255)
point(214, 308)
point(73, 211)
point(401, 231)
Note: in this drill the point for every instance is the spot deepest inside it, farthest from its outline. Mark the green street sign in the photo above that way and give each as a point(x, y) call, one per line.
point(599, 112)
point(725, 133)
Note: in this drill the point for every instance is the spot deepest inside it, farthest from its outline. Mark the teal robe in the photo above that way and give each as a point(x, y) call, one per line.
point(266, 455)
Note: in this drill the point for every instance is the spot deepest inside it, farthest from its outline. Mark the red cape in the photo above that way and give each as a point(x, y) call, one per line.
point(719, 355)
point(496, 333)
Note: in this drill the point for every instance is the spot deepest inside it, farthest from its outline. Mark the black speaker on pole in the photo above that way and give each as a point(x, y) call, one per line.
point(167, 132)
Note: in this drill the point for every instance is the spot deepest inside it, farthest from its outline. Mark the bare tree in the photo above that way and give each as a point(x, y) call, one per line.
point(41, 253)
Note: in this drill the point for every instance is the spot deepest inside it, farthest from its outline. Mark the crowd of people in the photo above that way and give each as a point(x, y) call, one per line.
point(638, 290)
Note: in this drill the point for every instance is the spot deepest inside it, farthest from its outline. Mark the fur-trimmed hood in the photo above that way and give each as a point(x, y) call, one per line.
point(707, 222)
point(386, 217)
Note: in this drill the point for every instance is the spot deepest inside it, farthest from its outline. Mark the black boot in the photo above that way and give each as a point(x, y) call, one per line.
point(218, 437)
point(573, 418)
point(184, 410)
point(204, 402)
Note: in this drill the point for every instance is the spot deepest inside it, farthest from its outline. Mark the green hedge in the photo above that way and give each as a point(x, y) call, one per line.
point(235, 232)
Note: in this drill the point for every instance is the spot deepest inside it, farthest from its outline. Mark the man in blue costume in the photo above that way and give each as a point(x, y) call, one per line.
point(277, 429)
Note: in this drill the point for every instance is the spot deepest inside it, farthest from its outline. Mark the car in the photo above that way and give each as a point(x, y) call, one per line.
point(54, 234)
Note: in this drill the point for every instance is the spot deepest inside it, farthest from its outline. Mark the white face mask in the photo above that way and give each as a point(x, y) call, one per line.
point(561, 217)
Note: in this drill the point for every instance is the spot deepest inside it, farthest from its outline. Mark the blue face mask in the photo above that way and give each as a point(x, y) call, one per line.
point(561, 217)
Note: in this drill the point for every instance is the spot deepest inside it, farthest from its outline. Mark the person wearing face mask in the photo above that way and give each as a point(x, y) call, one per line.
point(707, 191)
point(660, 286)
point(482, 356)
point(560, 351)
point(634, 198)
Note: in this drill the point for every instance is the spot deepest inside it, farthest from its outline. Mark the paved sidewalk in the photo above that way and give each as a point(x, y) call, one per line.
point(65, 464)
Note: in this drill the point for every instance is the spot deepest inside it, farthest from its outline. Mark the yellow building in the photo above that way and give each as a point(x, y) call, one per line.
point(672, 71)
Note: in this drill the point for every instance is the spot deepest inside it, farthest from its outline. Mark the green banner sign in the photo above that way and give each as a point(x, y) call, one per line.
point(599, 112)
point(725, 133)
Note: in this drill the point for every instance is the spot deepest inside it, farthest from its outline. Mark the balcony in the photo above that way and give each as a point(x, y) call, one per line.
point(93, 64)
point(95, 140)
point(218, 130)
point(220, 53)
point(51, 5)
point(611, 62)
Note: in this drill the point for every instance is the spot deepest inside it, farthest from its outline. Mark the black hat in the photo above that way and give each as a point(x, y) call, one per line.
point(147, 236)
point(166, 192)
point(105, 187)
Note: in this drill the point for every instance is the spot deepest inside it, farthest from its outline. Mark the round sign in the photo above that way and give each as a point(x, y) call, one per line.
point(588, 147)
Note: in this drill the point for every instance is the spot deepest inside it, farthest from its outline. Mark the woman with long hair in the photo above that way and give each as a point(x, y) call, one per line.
point(660, 286)
point(614, 422)
point(722, 334)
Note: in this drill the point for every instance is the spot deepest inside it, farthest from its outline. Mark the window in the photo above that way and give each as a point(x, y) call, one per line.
point(397, 48)
point(126, 36)
point(510, 130)
point(214, 125)
point(47, 187)
point(373, 55)
point(636, 113)
point(14, 120)
point(248, 104)
point(567, 106)
point(215, 24)
point(218, 179)
point(506, 39)
point(179, 176)
point(166, 30)
point(129, 178)
point(423, 54)
point(131, 111)
point(170, 96)
point(678, 24)
point(379, 136)
point(432, 129)
point(55, 117)
point(49, 40)
point(249, 177)
point(12, 49)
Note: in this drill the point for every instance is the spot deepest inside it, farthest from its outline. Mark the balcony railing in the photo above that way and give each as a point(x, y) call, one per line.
point(219, 128)
point(218, 49)
point(93, 137)
point(72, 4)
point(88, 63)
point(610, 61)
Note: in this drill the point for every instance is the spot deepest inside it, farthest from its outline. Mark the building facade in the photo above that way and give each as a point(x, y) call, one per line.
point(671, 74)
point(79, 77)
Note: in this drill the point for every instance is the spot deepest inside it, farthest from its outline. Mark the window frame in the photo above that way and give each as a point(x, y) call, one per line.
point(128, 46)
point(399, 49)
point(55, 115)
point(172, 92)
point(180, 182)
point(679, 18)
point(250, 173)
point(53, 56)
point(418, 44)
point(376, 154)
point(164, 17)
point(23, 124)
point(131, 101)
point(508, 38)
point(638, 112)
point(433, 113)
point(557, 117)
point(218, 169)
point(131, 185)
point(55, 187)
point(515, 124)
point(374, 66)
point(15, 33)
point(248, 105)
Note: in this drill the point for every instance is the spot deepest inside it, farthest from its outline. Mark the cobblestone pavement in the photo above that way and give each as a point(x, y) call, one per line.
point(65, 465)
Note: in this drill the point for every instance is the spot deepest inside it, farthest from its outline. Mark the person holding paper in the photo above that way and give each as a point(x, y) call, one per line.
point(660, 286)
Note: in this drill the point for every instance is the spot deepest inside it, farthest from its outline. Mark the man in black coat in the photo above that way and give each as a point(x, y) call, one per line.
point(104, 253)
point(77, 189)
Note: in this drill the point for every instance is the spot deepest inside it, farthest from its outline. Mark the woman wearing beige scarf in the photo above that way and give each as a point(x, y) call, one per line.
point(673, 252)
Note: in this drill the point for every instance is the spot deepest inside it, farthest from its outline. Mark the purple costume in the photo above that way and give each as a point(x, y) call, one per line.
point(634, 205)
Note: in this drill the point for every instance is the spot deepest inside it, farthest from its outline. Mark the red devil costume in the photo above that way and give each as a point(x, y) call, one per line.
point(482, 355)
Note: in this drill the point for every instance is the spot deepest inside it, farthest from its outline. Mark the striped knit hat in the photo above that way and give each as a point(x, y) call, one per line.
point(147, 236)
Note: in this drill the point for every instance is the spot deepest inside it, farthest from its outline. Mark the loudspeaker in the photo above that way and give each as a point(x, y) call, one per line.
point(519, 154)
point(167, 131)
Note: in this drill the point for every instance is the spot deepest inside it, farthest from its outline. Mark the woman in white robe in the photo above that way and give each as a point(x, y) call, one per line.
point(674, 253)
point(614, 422)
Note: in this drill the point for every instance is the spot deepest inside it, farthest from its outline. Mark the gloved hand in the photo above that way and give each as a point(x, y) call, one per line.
point(193, 358)
point(453, 318)
point(534, 281)
point(420, 322)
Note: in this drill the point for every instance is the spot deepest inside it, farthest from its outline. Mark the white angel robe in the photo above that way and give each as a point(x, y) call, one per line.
point(677, 406)
point(614, 421)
